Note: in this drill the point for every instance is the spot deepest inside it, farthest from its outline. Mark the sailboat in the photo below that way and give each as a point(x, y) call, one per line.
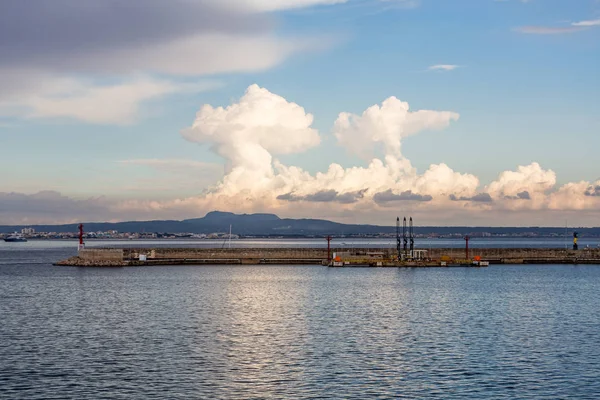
point(229, 239)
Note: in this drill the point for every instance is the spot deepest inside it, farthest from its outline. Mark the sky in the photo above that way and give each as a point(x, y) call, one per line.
point(454, 112)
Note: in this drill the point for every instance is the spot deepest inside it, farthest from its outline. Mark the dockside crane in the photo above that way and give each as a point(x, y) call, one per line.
point(405, 237)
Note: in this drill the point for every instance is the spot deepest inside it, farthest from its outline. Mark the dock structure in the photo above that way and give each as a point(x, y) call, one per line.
point(372, 257)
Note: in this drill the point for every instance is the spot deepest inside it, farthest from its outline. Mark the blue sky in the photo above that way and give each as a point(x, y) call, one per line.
point(523, 75)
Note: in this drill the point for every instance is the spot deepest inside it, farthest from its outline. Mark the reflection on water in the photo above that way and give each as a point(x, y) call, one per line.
point(297, 332)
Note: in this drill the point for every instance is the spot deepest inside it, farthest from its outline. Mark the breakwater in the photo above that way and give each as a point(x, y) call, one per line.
point(319, 256)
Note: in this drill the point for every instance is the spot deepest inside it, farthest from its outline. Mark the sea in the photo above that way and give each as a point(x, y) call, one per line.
point(296, 332)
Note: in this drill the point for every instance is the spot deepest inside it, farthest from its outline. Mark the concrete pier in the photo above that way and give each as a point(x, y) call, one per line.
point(318, 256)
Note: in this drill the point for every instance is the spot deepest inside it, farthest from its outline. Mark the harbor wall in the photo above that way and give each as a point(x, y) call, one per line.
point(320, 253)
point(257, 253)
point(518, 253)
point(306, 256)
point(101, 254)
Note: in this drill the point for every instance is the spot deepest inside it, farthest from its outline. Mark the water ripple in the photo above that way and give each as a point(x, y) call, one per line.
point(298, 332)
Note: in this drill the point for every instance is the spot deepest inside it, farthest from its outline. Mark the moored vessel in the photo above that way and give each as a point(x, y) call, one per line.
point(15, 238)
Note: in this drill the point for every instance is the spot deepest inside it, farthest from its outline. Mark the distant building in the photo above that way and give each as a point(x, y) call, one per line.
point(27, 231)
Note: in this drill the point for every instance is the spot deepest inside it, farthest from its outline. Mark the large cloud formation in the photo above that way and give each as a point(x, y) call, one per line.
point(251, 132)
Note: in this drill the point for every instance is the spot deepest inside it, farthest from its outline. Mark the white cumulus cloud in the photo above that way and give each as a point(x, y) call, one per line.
point(530, 182)
point(576, 196)
point(442, 180)
point(387, 124)
point(248, 133)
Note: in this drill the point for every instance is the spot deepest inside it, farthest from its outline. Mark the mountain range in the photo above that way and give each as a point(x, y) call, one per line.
point(272, 225)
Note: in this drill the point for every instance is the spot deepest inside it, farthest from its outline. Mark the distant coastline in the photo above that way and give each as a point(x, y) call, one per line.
point(215, 225)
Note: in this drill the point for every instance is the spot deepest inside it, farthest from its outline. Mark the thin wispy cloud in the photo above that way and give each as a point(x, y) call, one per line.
point(401, 3)
point(443, 67)
point(87, 101)
point(593, 22)
point(557, 30)
point(375, 7)
point(547, 30)
point(154, 162)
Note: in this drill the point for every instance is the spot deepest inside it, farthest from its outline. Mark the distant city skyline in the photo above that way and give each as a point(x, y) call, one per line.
point(455, 112)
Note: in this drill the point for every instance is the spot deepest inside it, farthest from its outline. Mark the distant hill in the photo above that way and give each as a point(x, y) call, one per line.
point(272, 225)
point(216, 221)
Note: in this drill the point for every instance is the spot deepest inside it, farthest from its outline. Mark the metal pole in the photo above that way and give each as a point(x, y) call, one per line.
point(398, 243)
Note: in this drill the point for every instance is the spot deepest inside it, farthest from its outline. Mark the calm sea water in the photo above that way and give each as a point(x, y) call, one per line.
point(295, 332)
point(347, 243)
